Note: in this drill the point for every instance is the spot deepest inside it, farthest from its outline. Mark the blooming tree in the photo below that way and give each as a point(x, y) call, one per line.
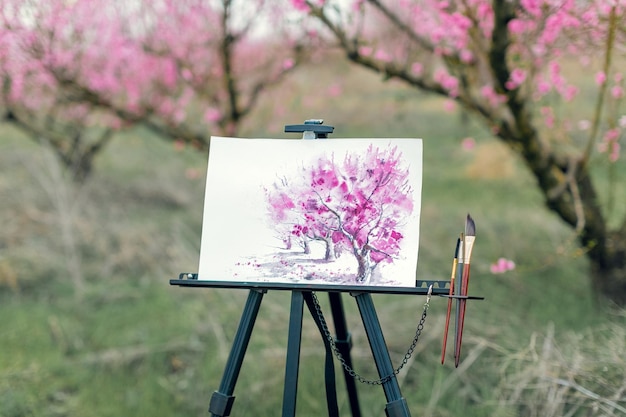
point(509, 63)
point(284, 218)
point(358, 204)
point(183, 68)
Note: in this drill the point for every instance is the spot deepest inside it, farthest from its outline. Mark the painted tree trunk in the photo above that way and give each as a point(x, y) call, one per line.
point(365, 266)
point(329, 254)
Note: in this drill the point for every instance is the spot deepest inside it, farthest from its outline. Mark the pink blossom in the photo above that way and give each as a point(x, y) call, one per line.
point(501, 266)
point(212, 115)
point(335, 90)
point(622, 121)
point(492, 97)
point(357, 4)
point(533, 7)
point(584, 124)
point(617, 92)
point(611, 135)
point(600, 78)
point(543, 87)
point(556, 78)
point(169, 76)
point(517, 26)
point(382, 55)
point(468, 144)
point(466, 56)
point(570, 92)
point(516, 79)
point(365, 50)
point(447, 81)
point(187, 74)
point(449, 106)
point(610, 143)
point(288, 63)
point(300, 5)
point(417, 68)
point(484, 14)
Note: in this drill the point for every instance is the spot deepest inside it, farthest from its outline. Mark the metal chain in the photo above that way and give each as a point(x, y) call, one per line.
point(350, 370)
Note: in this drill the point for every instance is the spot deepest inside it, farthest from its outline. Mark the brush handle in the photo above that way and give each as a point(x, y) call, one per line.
point(457, 291)
point(461, 314)
point(445, 331)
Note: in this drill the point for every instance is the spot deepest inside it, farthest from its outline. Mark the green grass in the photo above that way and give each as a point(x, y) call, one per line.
point(130, 344)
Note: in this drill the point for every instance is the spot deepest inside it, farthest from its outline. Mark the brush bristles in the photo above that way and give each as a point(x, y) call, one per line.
point(470, 226)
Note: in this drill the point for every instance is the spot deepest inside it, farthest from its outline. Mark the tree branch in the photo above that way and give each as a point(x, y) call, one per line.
point(597, 113)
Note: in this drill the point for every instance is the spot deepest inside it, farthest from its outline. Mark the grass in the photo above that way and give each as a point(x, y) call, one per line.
point(127, 343)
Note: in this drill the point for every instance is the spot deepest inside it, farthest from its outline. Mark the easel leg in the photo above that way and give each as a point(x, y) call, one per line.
point(329, 367)
point(293, 354)
point(396, 405)
point(222, 400)
point(343, 341)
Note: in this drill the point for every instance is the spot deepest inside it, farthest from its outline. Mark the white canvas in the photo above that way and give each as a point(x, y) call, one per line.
point(324, 211)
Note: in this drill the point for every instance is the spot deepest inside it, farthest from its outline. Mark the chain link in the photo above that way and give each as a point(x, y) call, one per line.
point(350, 370)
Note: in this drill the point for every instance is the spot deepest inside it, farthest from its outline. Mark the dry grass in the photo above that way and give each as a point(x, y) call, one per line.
point(574, 375)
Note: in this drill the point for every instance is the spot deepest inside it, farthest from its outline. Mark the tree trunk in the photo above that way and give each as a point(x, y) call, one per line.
point(81, 168)
point(564, 179)
point(608, 269)
point(365, 268)
point(329, 254)
point(307, 247)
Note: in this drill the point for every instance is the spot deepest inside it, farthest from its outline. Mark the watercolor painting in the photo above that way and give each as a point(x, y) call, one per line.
point(325, 211)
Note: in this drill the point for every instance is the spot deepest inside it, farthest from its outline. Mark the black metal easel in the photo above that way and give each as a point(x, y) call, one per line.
point(222, 400)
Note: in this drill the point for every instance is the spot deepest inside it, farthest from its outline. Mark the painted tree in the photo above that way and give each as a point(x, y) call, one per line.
point(359, 203)
point(510, 63)
point(283, 217)
point(290, 211)
point(186, 69)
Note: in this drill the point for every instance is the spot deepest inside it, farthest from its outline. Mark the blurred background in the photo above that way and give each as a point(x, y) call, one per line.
point(107, 110)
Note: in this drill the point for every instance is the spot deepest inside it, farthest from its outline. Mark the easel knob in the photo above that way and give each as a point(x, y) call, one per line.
point(311, 129)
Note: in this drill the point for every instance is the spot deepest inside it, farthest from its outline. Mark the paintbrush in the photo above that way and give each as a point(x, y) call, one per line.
point(457, 288)
point(451, 293)
point(468, 245)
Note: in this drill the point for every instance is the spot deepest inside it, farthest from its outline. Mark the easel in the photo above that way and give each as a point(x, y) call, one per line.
point(222, 400)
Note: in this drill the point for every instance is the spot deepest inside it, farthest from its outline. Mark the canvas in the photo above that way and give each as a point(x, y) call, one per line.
point(325, 211)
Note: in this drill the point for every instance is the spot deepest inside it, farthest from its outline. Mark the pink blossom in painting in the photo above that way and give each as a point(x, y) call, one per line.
point(356, 205)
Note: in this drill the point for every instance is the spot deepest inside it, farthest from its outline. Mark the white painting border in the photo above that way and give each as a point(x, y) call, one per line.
point(239, 242)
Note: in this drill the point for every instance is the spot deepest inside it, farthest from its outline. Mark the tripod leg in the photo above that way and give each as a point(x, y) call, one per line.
point(343, 341)
point(329, 367)
point(293, 354)
point(396, 404)
point(222, 400)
